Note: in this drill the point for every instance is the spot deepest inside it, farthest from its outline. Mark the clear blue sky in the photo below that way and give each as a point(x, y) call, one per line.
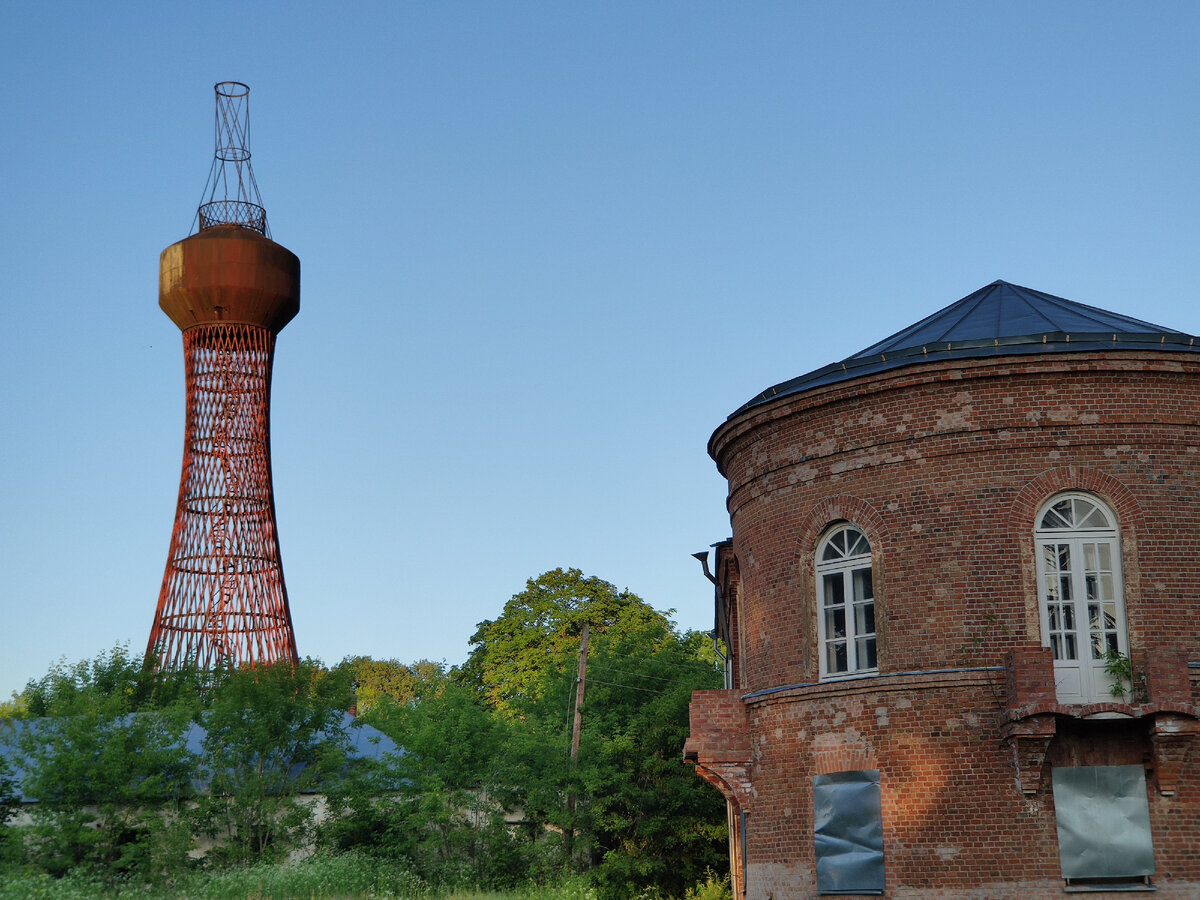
point(547, 248)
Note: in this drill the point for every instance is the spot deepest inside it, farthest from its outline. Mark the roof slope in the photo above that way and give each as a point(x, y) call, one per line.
point(1001, 319)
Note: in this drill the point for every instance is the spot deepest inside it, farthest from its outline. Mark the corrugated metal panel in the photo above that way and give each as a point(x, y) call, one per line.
point(1103, 822)
point(848, 832)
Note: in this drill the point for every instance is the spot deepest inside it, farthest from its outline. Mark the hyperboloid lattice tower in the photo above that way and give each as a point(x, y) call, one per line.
point(230, 289)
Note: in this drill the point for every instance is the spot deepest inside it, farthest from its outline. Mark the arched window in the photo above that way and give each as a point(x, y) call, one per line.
point(845, 603)
point(1081, 596)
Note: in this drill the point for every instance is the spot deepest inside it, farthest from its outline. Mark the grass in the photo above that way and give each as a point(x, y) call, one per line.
point(348, 876)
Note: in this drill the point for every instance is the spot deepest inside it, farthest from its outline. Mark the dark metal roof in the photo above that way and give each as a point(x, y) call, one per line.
point(1000, 319)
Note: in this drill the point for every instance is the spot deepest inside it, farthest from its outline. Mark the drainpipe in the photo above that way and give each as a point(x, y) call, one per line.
point(722, 626)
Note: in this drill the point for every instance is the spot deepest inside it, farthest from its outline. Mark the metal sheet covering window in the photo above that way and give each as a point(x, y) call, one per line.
point(848, 832)
point(1103, 822)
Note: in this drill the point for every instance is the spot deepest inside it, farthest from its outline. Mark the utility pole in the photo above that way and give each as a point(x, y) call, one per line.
point(569, 832)
point(579, 685)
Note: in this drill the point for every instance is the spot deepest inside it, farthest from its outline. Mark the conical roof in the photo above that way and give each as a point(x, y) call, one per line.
point(1001, 319)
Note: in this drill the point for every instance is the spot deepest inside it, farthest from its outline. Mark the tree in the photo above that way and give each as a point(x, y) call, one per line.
point(123, 682)
point(9, 803)
point(376, 679)
point(642, 819)
point(445, 812)
point(109, 780)
point(274, 731)
point(540, 628)
point(652, 822)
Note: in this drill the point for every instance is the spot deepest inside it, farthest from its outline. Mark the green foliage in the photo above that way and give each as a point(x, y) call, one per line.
point(1128, 682)
point(540, 628)
point(321, 877)
point(712, 888)
point(379, 679)
point(10, 840)
point(274, 732)
point(120, 682)
point(485, 794)
point(446, 816)
point(652, 822)
point(109, 784)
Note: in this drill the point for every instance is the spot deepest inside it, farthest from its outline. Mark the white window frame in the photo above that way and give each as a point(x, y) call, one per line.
point(1081, 594)
point(842, 558)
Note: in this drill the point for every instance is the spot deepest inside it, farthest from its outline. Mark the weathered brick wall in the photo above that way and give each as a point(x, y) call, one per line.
point(955, 822)
point(944, 468)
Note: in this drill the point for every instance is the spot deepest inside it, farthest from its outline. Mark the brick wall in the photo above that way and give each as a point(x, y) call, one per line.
point(944, 467)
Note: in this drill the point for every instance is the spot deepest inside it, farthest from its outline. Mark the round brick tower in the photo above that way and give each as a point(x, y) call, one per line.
point(965, 567)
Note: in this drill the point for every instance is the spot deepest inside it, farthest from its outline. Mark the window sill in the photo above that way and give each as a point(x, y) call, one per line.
point(1108, 888)
point(849, 676)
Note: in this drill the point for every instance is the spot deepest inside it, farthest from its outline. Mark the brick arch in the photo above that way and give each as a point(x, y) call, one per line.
point(838, 508)
point(842, 755)
point(1074, 478)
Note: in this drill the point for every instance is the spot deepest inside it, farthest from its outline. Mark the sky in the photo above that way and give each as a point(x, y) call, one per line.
point(547, 249)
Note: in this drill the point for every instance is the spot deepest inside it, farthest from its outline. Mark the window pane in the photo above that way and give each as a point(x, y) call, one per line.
point(1089, 557)
point(1094, 517)
point(835, 623)
point(835, 589)
point(1064, 587)
point(865, 648)
point(864, 618)
point(835, 657)
point(857, 544)
point(1069, 651)
point(1105, 556)
point(1056, 645)
point(1052, 589)
point(862, 584)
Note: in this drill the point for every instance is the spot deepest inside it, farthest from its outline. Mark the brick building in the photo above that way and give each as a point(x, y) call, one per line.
point(961, 605)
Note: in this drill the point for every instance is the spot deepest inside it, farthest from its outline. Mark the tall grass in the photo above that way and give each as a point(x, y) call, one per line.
point(346, 876)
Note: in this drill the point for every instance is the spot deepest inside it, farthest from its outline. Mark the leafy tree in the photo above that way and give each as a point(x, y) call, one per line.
point(641, 819)
point(9, 804)
point(109, 783)
point(274, 732)
point(376, 679)
point(651, 821)
point(540, 629)
point(446, 812)
point(125, 682)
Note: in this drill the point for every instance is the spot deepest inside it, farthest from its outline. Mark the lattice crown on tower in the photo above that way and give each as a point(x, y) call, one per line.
point(231, 195)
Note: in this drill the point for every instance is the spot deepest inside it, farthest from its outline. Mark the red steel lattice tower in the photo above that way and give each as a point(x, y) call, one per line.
point(230, 289)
